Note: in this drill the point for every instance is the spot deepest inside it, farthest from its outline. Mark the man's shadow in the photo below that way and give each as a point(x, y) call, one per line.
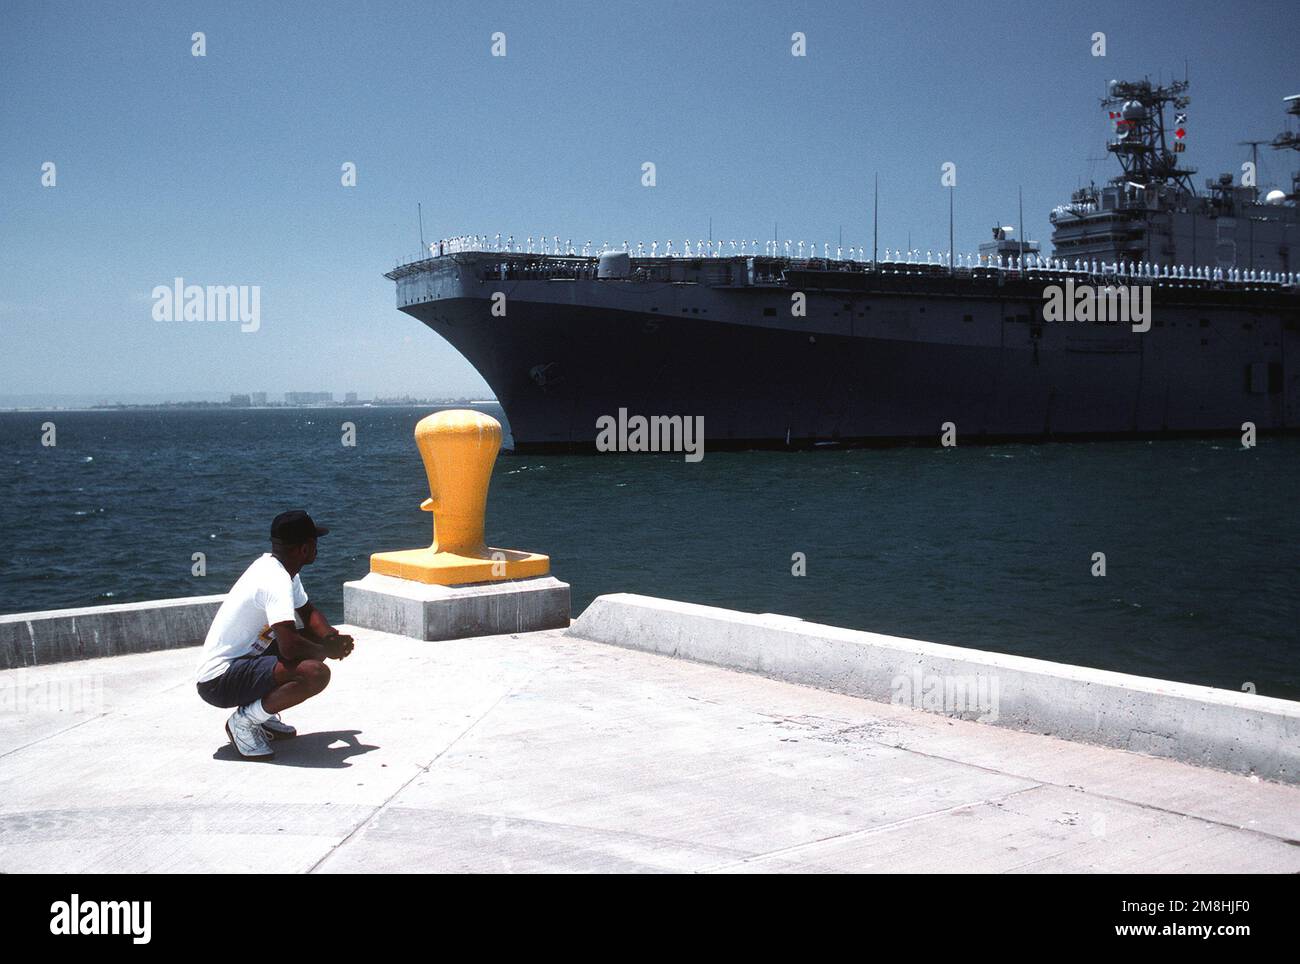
point(307, 750)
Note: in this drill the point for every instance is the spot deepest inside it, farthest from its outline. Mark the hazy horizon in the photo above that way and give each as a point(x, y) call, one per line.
point(63, 400)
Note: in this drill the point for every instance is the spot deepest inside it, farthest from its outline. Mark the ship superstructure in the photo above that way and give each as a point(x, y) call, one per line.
point(1151, 213)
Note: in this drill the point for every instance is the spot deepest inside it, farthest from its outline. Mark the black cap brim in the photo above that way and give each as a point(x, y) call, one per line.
point(295, 527)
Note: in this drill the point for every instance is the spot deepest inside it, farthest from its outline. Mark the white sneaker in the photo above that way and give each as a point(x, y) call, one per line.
point(277, 729)
point(248, 738)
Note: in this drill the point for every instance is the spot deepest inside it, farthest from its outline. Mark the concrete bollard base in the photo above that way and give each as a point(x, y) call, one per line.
point(432, 612)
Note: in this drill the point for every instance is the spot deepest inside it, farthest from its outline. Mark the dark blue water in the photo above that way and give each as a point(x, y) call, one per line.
point(988, 547)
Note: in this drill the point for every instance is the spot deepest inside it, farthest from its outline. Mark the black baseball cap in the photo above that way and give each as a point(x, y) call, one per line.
point(295, 527)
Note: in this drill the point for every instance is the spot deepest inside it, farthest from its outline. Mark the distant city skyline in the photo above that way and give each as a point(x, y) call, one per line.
point(50, 401)
point(289, 158)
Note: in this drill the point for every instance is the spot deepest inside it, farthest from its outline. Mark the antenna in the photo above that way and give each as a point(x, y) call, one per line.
point(710, 230)
point(951, 192)
point(419, 212)
point(875, 221)
point(1020, 196)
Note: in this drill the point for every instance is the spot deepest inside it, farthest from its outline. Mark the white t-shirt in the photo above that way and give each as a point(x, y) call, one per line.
point(263, 596)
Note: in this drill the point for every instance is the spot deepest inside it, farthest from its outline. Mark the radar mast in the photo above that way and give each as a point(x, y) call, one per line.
point(1138, 111)
point(1289, 139)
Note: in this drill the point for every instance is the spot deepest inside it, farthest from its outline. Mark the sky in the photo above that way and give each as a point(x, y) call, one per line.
point(226, 169)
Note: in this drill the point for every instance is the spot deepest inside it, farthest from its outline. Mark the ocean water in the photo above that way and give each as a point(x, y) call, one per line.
point(983, 546)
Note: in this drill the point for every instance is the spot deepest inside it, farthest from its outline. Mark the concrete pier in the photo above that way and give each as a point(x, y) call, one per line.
point(550, 752)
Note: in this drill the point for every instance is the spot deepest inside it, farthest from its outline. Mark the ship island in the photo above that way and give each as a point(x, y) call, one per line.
point(778, 345)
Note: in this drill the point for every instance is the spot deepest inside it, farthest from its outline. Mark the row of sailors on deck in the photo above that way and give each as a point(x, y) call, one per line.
point(1121, 269)
point(701, 248)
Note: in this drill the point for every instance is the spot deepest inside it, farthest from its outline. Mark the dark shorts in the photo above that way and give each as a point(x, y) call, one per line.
point(246, 680)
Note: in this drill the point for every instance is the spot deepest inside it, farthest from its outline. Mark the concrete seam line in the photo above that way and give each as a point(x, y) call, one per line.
point(89, 719)
point(415, 776)
point(50, 736)
point(1129, 801)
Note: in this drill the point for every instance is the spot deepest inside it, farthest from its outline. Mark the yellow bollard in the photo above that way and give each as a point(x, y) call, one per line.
point(459, 448)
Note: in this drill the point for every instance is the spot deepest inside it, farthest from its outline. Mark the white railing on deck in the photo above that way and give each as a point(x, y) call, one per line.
point(856, 259)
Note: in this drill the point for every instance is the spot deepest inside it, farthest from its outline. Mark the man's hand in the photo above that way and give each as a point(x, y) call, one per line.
point(337, 645)
point(332, 643)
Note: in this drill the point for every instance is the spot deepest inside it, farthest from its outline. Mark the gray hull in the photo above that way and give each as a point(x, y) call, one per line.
point(878, 358)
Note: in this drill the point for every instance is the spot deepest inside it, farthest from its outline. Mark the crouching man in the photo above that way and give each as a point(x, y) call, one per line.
point(267, 646)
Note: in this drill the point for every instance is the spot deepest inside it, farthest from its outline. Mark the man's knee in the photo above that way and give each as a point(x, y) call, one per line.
point(314, 673)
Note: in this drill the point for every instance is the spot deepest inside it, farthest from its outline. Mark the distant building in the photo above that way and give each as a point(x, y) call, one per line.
point(258, 398)
point(239, 401)
point(350, 398)
point(308, 398)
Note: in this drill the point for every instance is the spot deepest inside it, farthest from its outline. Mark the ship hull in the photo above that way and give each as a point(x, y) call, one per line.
point(898, 368)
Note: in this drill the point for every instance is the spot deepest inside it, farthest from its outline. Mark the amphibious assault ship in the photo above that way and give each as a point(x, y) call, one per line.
point(783, 347)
